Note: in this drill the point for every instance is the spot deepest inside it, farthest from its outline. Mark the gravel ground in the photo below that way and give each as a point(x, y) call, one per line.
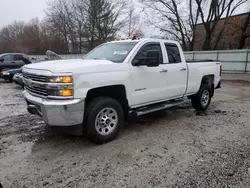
point(174, 148)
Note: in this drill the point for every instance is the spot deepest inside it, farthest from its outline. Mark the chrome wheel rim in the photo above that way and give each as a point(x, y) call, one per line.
point(106, 121)
point(205, 98)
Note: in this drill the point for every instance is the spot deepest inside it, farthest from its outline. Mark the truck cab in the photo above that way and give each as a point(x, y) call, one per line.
point(116, 79)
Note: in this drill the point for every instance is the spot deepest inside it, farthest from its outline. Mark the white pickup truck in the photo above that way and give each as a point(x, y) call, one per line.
point(94, 95)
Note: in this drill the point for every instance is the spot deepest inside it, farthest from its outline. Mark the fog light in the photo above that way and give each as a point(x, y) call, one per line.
point(67, 92)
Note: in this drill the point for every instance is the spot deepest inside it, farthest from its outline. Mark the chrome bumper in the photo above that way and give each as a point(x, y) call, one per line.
point(56, 112)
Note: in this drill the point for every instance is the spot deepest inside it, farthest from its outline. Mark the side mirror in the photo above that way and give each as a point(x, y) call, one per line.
point(153, 58)
point(1, 59)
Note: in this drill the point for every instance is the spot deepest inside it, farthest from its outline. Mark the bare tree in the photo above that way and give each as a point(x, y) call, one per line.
point(193, 17)
point(31, 37)
point(58, 16)
point(73, 25)
point(103, 21)
point(216, 10)
point(80, 18)
point(50, 39)
point(10, 36)
point(245, 33)
point(81, 22)
point(169, 17)
point(132, 22)
point(179, 19)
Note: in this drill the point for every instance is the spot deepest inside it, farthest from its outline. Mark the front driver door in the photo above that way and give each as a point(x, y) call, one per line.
point(149, 84)
point(8, 62)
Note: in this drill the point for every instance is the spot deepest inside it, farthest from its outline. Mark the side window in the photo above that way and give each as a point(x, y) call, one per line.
point(142, 53)
point(8, 58)
point(173, 53)
point(18, 57)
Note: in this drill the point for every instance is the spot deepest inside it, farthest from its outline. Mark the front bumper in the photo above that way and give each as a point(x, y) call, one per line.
point(56, 112)
point(18, 79)
point(7, 77)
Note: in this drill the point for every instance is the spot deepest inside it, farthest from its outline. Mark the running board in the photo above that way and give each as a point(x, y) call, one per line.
point(157, 107)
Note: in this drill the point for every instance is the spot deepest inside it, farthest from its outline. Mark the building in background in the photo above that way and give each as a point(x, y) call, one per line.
point(230, 37)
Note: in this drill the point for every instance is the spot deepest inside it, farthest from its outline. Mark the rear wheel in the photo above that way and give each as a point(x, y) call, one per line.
point(104, 119)
point(202, 99)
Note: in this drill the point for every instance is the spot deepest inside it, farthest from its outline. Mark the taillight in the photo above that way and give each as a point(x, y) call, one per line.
point(220, 70)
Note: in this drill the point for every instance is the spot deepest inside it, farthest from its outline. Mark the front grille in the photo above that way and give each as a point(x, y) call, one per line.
point(35, 77)
point(37, 90)
point(31, 85)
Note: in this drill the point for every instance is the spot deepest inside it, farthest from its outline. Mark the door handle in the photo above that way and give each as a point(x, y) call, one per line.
point(183, 69)
point(163, 70)
point(12, 62)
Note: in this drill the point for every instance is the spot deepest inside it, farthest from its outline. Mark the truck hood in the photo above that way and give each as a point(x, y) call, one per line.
point(74, 65)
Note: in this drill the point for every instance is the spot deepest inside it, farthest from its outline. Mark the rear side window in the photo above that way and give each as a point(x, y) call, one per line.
point(8, 58)
point(142, 53)
point(18, 57)
point(173, 53)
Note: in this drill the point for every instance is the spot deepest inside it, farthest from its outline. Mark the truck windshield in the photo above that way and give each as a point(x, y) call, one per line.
point(115, 52)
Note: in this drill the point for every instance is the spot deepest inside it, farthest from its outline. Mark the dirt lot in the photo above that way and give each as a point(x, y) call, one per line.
point(175, 148)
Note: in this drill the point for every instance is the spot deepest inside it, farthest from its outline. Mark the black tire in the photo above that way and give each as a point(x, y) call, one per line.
point(92, 111)
point(197, 98)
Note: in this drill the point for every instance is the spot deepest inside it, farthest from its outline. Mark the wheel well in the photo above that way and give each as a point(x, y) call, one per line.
point(209, 80)
point(117, 92)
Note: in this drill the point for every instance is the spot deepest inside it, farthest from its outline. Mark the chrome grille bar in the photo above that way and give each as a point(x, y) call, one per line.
point(35, 77)
point(37, 91)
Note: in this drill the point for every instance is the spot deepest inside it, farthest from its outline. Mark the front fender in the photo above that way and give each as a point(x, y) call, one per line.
point(85, 82)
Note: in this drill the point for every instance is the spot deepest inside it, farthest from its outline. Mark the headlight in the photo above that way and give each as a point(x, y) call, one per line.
point(60, 79)
point(5, 73)
point(63, 87)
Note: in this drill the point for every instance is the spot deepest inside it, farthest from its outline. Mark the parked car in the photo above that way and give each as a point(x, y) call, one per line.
point(9, 74)
point(95, 95)
point(12, 61)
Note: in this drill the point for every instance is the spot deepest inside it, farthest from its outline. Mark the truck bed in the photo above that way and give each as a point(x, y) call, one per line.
point(198, 68)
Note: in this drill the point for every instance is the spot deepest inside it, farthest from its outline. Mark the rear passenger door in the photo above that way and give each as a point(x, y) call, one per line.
point(177, 71)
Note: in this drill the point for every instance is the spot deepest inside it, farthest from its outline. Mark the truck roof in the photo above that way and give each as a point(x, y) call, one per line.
point(144, 39)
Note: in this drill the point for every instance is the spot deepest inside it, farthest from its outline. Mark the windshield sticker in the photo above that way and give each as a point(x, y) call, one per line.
point(120, 52)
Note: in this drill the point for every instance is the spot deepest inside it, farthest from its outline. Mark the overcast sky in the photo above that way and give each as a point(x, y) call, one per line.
point(22, 10)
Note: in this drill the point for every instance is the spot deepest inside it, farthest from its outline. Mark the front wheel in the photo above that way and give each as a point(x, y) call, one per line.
point(202, 99)
point(104, 119)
